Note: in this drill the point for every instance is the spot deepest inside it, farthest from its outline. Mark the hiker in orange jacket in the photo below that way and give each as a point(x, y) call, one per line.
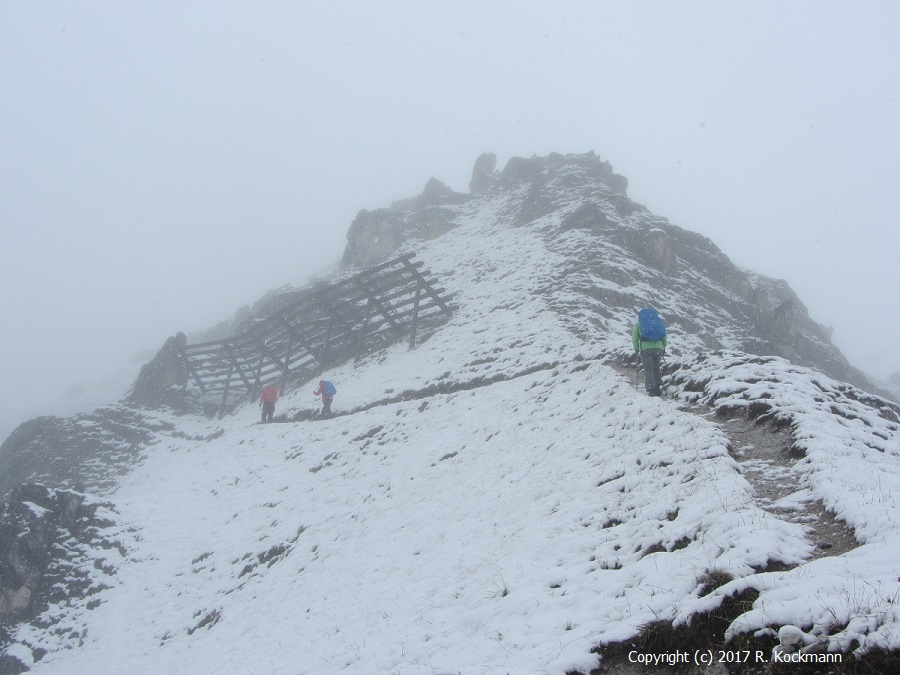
point(267, 399)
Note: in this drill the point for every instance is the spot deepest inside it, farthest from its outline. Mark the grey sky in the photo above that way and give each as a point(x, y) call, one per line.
point(163, 163)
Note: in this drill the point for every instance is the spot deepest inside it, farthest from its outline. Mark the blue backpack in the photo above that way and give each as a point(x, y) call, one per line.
point(652, 327)
point(329, 388)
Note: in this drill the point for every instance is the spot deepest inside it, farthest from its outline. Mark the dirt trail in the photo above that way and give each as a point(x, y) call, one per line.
point(768, 463)
point(763, 452)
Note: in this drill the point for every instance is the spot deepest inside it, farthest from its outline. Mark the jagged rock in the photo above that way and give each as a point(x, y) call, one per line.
point(519, 170)
point(586, 217)
point(80, 452)
point(435, 193)
point(161, 380)
point(375, 235)
point(54, 550)
point(653, 246)
point(483, 173)
point(37, 527)
point(551, 180)
point(629, 249)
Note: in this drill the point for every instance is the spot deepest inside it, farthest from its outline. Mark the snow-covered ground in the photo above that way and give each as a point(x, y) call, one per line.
point(499, 499)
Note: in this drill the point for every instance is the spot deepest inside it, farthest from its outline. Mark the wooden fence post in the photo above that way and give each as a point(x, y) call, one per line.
point(415, 316)
point(225, 393)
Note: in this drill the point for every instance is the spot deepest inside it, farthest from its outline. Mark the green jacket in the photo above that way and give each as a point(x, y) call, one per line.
point(640, 345)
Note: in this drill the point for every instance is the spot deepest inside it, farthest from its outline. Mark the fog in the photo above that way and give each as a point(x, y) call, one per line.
point(162, 165)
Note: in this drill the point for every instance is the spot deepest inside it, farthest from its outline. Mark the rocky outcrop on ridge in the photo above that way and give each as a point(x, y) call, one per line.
point(83, 452)
point(374, 235)
point(616, 256)
point(162, 380)
point(46, 537)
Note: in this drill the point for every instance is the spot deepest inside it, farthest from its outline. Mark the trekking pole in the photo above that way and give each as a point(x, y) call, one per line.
point(662, 368)
point(637, 372)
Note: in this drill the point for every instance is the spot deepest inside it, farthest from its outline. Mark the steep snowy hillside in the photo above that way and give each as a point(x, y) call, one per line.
point(504, 498)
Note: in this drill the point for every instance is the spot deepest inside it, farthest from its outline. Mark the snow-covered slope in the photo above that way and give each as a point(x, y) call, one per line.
point(502, 498)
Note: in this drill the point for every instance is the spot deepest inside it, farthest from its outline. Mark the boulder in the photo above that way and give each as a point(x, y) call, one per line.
point(484, 173)
point(161, 380)
point(38, 528)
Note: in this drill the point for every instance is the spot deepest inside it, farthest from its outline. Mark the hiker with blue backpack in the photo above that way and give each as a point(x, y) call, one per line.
point(649, 339)
point(327, 391)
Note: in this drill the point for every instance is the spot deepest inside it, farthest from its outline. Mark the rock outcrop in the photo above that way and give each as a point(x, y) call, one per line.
point(483, 173)
point(162, 380)
point(83, 452)
point(617, 257)
point(375, 235)
point(46, 536)
point(33, 529)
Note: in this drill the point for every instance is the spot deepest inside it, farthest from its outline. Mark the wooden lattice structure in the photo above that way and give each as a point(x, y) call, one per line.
point(326, 324)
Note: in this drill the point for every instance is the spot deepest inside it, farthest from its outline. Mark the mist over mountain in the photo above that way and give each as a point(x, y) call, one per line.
point(500, 497)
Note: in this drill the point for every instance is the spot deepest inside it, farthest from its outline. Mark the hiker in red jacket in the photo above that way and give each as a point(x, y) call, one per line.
point(267, 400)
point(327, 391)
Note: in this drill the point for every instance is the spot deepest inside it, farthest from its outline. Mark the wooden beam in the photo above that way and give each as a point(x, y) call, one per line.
point(325, 349)
point(225, 393)
point(190, 367)
point(329, 310)
point(266, 353)
point(362, 332)
point(373, 300)
point(428, 287)
point(287, 366)
point(234, 362)
point(262, 360)
point(301, 338)
point(415, 316)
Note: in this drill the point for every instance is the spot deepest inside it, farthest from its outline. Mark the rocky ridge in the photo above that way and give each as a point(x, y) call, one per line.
point(612, 257)
point(610, 246)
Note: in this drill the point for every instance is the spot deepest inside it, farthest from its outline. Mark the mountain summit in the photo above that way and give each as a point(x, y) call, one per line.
point(495, 496)
point(614, 256)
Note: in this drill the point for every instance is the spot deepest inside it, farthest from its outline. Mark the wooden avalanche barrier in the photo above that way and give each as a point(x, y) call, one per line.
point(325, 324)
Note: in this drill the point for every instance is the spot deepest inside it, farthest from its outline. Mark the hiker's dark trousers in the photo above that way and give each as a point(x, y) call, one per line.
point(652, 360)
point(267, 411)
